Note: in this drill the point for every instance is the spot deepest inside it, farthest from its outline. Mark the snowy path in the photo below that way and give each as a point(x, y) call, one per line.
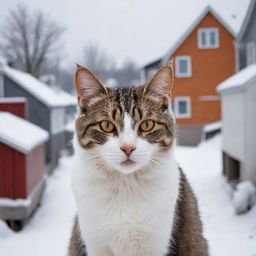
point(48, 231)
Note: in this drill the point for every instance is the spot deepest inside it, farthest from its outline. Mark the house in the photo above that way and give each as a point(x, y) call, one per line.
point(204, 56)
point(49, 108)
point(238, 94)
point(22, 164)
point(246, 39)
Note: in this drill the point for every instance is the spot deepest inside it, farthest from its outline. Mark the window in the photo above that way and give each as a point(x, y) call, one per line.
point(182, 107)
point(208, 38)
point(183, 66)
point(57, 120)
point(251, 53)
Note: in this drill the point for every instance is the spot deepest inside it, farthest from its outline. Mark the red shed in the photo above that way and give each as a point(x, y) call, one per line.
point(22, 167)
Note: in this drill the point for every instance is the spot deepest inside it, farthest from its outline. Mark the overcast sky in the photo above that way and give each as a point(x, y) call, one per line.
point(140, 30)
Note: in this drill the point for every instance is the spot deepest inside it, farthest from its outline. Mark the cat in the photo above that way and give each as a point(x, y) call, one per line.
point(131, 195)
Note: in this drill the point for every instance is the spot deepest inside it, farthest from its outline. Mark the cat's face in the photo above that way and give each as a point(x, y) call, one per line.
point(124, 129)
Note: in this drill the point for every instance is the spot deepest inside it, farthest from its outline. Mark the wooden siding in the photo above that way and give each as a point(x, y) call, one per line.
point(35, 167)
point(20, 173)
point(12, 173)
point(209, 68)
point(16, 108)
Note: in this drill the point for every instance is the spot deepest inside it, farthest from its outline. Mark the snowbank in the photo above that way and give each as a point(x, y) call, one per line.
point(5, 231)
point(244, 197)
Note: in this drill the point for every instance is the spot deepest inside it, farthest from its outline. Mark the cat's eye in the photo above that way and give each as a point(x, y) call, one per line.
point(107, 126)
point(147, 126)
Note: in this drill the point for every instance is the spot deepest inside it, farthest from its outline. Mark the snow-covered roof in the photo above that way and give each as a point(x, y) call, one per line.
point(47, 95)
point(239, 80)
point(212, 127)
point(194, 22)
point(12, 99)
point(19, 133)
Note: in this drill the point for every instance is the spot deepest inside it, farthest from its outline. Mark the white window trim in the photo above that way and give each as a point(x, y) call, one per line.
point(176, 104)
point(177, 72)
point(250, 59)
point(208, 46)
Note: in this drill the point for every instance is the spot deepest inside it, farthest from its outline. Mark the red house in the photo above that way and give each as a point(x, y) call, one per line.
point(22, 164)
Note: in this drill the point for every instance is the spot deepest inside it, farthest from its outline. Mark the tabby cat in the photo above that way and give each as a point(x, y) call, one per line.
point(132, 198)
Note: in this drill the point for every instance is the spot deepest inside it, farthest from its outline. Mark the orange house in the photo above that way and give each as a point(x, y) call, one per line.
point(203, 57)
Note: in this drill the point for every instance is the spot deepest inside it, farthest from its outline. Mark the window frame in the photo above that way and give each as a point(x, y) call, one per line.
point(251, 58)
point(176, 107)
point(207, 38)
point(177, 70)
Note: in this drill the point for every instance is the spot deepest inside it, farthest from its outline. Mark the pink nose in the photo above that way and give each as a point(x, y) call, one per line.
point(127, 149)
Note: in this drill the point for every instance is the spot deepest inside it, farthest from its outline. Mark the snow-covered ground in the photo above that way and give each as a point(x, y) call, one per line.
point(48, 231)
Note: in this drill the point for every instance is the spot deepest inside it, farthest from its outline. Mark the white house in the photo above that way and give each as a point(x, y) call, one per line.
point(238, 96)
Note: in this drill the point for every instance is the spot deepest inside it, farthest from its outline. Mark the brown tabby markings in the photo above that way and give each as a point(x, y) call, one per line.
point(113, 106)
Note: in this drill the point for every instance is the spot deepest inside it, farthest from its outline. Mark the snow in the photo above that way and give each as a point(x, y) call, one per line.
point(238, 80)
point(19, 133)
point(48, 232)
point(49, 96)
point(70, 127)
point(4, 230)
point(212, 127)
point(244, 197)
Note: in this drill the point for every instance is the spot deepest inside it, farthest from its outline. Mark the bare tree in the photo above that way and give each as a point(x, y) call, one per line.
point(30, 40)
point(128, 74)
point(98, 61)
point(104, 67)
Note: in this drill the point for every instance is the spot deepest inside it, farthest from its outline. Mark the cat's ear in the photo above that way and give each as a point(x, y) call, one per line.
point(88, 87)
point(159, 86)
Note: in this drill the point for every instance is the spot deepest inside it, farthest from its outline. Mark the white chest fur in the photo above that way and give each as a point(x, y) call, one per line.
point(128, 215)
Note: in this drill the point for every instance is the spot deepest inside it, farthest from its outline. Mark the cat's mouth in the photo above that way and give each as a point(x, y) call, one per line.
point(127, 162)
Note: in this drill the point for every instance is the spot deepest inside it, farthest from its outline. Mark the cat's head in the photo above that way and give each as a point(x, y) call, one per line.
point(124, 129)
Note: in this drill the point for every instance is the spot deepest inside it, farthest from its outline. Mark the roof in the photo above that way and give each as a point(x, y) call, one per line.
point(12, 100)
point(240, 80)
point(247, 19)
point(182, 22)
point(47, 95)
point(20, 134)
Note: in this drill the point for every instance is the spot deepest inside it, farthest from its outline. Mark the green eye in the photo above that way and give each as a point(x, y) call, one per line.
point(106, 126)
point(147, 125)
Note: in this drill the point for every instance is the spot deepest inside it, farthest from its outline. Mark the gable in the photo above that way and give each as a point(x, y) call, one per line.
point(213, 21)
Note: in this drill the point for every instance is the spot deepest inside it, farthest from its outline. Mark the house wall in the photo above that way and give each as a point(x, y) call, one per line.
point(249, 36)
point(250, 132)
point(209, 68)
point(233, 127)
point(35, 167)
point(17, 108)
point(12, 173)
point(39, 114)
